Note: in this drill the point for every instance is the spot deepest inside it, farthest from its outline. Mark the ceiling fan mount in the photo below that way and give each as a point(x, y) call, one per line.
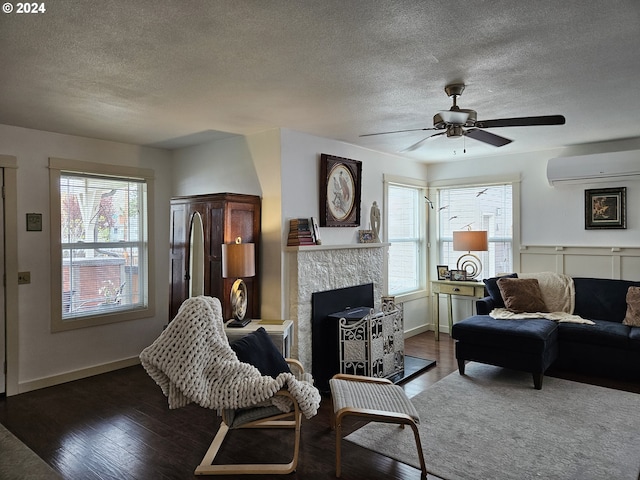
point(456, 119)
point(455, 89)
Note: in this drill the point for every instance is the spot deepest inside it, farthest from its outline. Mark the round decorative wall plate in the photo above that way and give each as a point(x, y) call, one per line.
point(341, 187)
point(339, 191)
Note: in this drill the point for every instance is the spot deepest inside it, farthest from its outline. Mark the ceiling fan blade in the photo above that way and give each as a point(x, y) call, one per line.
point(397, 131)
point(522, 121)
point(415, 146)
point(487, 137)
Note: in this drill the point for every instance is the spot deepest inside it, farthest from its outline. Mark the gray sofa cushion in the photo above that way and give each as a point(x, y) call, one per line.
point(606, 333)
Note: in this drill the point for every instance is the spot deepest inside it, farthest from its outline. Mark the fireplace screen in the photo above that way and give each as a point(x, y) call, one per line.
point(374, 345)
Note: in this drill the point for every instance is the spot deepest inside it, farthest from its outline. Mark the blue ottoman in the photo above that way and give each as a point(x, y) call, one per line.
point(526, 345)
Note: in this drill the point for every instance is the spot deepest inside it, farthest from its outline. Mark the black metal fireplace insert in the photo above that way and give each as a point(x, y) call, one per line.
point(324, 328)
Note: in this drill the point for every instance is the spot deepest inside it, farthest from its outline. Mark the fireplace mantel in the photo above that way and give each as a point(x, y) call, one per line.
point(309, 248)
point(317, 268)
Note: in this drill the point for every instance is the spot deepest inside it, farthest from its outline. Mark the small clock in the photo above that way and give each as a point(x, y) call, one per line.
point(34, 222)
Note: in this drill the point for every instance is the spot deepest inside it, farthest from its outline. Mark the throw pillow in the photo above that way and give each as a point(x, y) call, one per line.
point(632, 318)
point(522, 295)
point(491, 284)
point(258, 349)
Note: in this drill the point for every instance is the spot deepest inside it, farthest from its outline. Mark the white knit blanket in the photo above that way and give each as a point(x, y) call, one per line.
point(504, 314)
point(558, 290)
point(192, 361)
point(558, 293)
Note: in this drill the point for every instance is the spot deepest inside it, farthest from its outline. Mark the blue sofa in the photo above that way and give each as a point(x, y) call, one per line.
point(607, 348)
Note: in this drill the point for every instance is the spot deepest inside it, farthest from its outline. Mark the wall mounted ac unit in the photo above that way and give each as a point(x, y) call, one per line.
point(600, 167)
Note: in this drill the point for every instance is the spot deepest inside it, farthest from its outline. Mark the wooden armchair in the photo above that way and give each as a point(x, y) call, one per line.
point(193, 362)
point(257, 417)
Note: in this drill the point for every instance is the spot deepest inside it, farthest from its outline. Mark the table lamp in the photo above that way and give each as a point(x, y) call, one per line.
point(238, 261)
point(470, 241)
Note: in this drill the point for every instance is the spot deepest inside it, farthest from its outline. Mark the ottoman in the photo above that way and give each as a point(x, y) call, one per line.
point(528, 345)
point(375, 399)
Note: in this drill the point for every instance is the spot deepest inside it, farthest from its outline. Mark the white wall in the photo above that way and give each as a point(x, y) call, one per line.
point(219, 166)
point(46, 357)
point(553, 215)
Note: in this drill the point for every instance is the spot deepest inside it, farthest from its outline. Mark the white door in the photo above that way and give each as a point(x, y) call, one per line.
point(3, 349)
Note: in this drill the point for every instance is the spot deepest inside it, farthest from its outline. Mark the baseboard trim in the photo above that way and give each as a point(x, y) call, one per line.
point(417, 330)
point(45, 382)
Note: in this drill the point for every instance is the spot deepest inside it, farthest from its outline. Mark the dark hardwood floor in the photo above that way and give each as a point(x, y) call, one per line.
point(118, 426)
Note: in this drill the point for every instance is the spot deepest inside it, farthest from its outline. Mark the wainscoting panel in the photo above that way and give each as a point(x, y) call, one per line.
point(630, 265)
point(534, 262)
point(601, 262)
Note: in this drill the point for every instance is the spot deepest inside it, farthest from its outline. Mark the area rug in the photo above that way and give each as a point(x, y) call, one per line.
point(492, 424)
point(19, 462)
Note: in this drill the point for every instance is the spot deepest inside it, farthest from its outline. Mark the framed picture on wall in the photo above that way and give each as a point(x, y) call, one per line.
point(605, 208)
point(340, 190)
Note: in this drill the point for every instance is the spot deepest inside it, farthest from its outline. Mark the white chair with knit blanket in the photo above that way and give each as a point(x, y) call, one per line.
point(192, 361)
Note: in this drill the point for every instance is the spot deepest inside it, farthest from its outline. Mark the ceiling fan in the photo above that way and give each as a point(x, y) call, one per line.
point(458, 122)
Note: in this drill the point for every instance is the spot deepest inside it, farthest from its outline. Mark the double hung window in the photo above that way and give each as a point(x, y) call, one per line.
point(406, 234)
point(100, 243)
point(481, 207)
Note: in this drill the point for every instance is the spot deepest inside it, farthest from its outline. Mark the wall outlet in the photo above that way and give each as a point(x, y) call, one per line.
point(24, 278)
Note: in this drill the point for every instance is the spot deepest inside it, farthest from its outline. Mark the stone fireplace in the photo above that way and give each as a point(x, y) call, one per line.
point(327, 267)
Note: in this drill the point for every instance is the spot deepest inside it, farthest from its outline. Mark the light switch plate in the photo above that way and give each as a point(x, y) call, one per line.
point(24, 278)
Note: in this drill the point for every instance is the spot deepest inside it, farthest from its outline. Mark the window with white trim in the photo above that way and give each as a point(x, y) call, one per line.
point(481, 207)
point(405, 233)
point(100, 244)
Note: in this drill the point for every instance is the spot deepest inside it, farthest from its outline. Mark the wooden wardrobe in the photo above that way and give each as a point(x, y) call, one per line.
point(225, 216)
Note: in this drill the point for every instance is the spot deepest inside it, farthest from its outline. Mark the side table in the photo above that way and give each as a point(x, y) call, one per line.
point(449, 288)
point(280, 334)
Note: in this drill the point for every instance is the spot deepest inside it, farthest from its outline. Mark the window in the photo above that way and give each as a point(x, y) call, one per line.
point(482, 207)
point(405, 232)
point(100, 244)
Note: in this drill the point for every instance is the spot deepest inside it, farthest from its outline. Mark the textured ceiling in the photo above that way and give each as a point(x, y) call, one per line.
point(175, 73)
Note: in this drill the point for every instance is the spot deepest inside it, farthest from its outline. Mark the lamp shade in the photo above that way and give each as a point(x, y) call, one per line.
point(470, 241)
point(238, 260)
point(454, 117)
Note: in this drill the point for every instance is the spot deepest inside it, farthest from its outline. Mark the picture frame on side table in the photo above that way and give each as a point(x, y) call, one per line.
point(340, 190)
point(459, 275)
point(605, 208)
point(443, 271)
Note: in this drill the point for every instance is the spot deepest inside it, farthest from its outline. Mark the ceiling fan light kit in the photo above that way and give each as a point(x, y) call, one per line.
point(454, 121)
point(454, 117)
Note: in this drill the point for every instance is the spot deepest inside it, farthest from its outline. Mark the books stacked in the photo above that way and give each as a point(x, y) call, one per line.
point(303, 231)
